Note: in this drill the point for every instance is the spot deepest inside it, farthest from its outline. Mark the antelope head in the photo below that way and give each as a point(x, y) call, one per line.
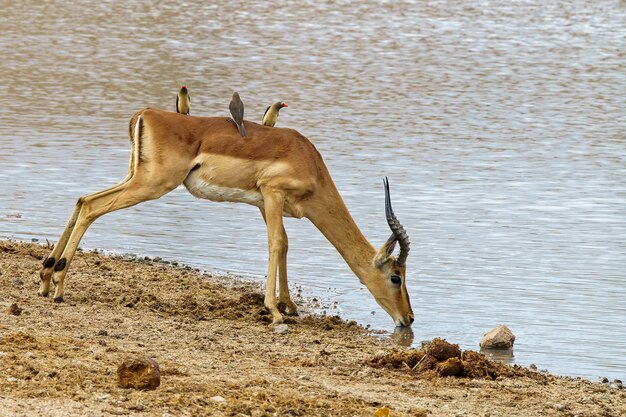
point(389, 287)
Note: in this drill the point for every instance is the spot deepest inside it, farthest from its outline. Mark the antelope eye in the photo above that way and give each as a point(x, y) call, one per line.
point(396, 279)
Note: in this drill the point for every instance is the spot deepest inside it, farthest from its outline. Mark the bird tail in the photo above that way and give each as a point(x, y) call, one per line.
point(242, 130)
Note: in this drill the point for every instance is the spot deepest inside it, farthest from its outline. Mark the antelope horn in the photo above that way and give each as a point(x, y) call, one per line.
point(398, 231)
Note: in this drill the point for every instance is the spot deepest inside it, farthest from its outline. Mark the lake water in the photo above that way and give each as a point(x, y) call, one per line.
point(501, 126)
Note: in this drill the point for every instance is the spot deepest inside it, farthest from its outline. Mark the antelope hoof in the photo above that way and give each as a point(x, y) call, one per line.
point(59, 299)
point(291, 309)
point(44, 285)
point(277, 318)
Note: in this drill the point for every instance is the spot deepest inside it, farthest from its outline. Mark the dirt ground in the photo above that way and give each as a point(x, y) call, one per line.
point(219, 357)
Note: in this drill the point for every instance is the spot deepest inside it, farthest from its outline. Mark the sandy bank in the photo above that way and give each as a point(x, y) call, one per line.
point(219, 357)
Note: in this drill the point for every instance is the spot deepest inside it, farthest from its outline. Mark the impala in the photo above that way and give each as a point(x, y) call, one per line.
point(276, 169)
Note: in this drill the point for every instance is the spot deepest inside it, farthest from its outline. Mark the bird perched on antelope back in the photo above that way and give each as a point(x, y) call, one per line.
point(236, 111)
point(271, 113)
point(183, 101)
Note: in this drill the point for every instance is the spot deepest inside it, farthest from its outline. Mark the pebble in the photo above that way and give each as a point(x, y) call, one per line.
point(560, 407)
point(14, 310)
point(139, 373)
point(218, 399)
point(281, 329)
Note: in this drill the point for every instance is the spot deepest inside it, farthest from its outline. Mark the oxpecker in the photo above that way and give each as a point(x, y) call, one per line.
point(236, 111)
point(271, 113)
point(183, 101)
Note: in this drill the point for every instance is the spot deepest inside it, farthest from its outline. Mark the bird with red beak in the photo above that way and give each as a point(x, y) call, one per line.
point(270, 117)
point(183, 101)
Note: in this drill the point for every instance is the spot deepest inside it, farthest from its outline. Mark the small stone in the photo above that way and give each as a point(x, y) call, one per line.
point(560, 407)
point(218, 399)
point(19, 281)
point(501, 337)
point(139, 373)
point(281, 329)
point(103, 333)
point(533, 367)
point(14, 310)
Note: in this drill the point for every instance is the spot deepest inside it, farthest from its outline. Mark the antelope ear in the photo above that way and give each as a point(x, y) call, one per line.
point(384, 253)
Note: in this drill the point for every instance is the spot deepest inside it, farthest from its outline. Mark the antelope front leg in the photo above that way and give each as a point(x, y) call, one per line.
point(291, 309)
point(277, 246)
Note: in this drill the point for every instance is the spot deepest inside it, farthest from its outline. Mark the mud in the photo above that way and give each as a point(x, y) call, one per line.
point(441, 358)
point(218, 356)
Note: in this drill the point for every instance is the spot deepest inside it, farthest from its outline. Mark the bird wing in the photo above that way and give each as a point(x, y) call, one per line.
point(177, 111)
point(266, 110)
point(236, 110)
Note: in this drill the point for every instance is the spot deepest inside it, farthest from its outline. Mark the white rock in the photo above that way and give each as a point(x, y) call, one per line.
point(500, 337)
point(281, 329)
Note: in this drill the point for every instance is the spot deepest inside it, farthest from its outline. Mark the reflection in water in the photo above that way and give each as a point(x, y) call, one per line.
point(500, 355)
point(402, 336)
point(499, 124)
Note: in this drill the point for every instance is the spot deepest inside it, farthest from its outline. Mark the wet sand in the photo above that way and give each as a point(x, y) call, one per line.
point(218, 356)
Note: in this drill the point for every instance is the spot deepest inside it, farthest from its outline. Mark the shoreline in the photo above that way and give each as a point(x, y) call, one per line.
point(310, 304)
point(218, 356)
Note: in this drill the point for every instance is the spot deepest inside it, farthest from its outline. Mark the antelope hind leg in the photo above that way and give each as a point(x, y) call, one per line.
point(45, 274)
point(138, 188)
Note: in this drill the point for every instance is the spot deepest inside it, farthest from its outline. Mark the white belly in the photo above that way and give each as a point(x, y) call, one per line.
point(202, 189)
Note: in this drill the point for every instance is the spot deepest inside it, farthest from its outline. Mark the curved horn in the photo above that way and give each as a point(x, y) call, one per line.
point(395, 226)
